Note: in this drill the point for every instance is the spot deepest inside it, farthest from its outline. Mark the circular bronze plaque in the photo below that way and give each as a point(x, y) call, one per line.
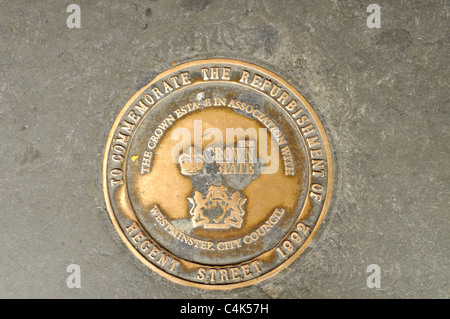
point(217, 174)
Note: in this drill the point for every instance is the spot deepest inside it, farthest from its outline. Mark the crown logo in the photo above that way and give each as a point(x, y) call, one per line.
point(191, 163)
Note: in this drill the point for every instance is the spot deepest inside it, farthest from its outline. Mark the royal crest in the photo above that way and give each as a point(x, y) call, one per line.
point(217, 209)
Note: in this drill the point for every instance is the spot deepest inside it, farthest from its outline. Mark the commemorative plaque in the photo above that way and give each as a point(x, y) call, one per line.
point(217, 174)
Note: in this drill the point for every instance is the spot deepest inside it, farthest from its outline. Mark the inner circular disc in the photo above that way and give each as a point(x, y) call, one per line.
point(232, 202)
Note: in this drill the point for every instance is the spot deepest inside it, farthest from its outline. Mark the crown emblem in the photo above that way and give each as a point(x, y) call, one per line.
point(191, 163)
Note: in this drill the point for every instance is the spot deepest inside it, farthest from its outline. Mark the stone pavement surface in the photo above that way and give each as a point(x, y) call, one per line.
point(381, 93)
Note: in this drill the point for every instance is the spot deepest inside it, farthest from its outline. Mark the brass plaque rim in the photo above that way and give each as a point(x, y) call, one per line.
point(282, 265)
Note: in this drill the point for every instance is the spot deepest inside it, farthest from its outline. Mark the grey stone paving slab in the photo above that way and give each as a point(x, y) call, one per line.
point(382, 94)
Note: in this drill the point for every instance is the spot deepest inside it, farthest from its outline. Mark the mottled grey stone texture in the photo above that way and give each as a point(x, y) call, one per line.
point(382, 94)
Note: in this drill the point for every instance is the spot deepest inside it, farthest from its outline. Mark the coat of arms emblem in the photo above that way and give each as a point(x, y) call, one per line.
point(214, 205)
point(217, 209)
